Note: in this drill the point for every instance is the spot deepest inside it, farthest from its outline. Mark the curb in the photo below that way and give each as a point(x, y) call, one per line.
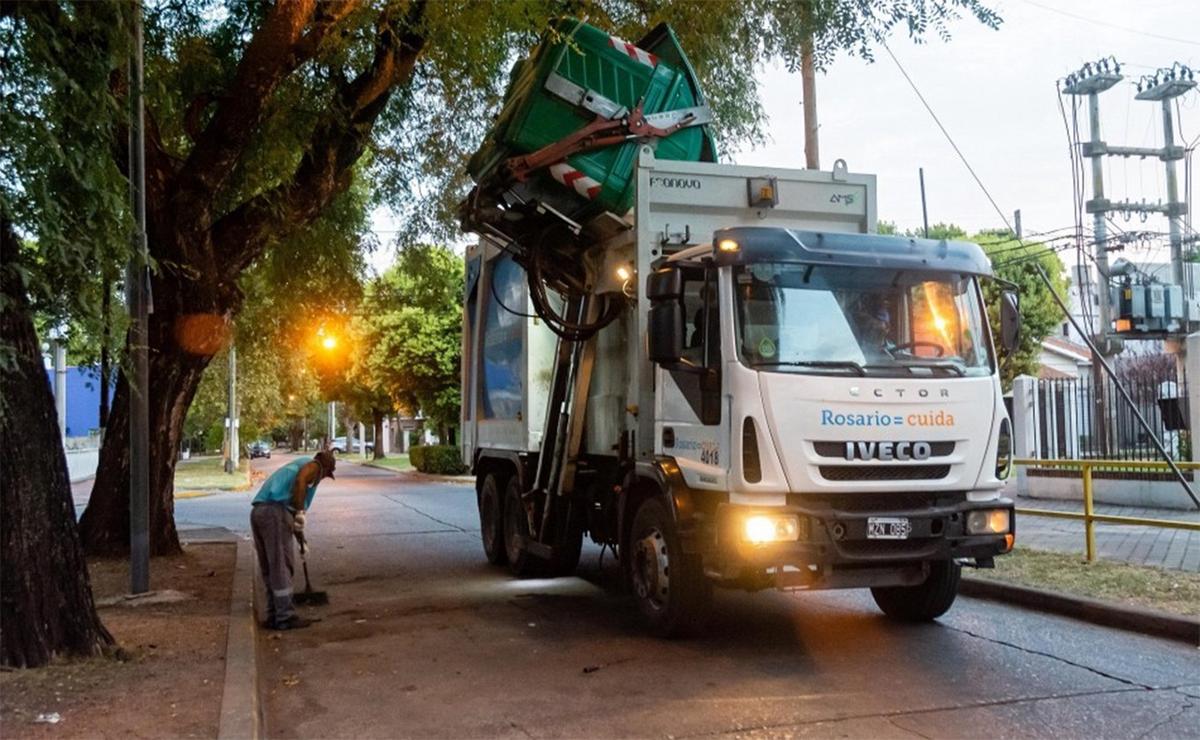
point(241, 710)
point(1108, 614)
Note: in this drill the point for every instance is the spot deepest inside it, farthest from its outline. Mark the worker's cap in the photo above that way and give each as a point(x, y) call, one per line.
point(327, 462)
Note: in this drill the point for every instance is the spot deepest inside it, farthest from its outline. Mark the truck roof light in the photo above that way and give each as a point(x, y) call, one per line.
point(728, 245)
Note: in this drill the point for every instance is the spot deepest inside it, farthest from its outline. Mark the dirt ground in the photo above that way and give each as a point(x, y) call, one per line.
point(167, 678)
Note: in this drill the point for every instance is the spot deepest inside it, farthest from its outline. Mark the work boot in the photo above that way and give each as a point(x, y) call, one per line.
point(294, 623)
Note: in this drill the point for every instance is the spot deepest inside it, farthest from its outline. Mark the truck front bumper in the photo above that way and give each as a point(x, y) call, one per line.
point(834, 549)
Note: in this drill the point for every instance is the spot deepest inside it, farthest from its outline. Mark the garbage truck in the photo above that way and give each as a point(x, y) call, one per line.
point(720, 372)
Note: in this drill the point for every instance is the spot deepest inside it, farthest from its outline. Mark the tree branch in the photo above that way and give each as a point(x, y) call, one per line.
point(337, 142)
point(329, 14)
point(267, 61)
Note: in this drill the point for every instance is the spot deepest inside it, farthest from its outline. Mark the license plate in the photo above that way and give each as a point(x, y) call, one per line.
point(888, 528)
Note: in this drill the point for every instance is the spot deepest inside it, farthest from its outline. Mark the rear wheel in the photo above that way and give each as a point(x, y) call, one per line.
point(669, 587)
point(924, 602)
point(491, 519)
point(516, 533)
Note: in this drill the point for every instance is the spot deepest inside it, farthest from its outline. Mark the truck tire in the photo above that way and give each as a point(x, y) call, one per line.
point(491, 519)
point(521, 563)
point(669, 587)
point(925, 602)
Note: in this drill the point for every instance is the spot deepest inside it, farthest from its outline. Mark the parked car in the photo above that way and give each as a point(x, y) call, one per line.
point(260, 448)
point(338, 445)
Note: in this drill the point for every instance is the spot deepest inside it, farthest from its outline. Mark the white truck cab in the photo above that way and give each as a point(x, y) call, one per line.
point(768, 395)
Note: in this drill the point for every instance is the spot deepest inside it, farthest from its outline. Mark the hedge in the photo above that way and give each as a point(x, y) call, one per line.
point(437, 459)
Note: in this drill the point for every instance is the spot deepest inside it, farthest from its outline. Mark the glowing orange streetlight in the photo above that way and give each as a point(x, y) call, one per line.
point(329, 342)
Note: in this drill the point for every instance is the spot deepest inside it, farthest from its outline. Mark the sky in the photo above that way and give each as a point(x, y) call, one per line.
point(994, 91)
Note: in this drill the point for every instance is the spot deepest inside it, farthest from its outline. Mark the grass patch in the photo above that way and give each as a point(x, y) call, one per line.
point(208, 473)
point(392, 462)
point(1172, 591)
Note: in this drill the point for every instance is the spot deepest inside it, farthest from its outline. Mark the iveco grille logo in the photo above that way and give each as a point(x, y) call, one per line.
point(887, 450)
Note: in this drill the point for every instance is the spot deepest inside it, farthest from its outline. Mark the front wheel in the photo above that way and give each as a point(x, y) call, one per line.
point(669, 586)
point(924, 602)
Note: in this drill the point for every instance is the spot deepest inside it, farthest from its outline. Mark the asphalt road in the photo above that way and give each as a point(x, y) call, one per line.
point(423, 639)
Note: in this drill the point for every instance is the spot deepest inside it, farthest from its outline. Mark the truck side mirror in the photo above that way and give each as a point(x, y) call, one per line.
point(1010, 321)
point(664, 288)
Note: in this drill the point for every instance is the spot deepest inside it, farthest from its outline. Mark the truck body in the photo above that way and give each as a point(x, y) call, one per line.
point(737, 384)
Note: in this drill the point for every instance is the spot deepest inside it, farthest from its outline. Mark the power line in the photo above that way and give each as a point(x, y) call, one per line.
point(946, 133)
point(1114, 26)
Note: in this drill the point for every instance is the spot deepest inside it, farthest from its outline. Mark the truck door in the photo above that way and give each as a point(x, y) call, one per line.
point(691, 425)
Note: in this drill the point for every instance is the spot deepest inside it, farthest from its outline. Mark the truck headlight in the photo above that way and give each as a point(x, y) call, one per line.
point(989, 521)
point(1004, 450)
point(762, 529)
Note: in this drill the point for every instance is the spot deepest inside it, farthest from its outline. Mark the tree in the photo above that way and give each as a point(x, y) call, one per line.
point(46, 605)
point(1018, 262)
point(259, 115)
point(412, 327)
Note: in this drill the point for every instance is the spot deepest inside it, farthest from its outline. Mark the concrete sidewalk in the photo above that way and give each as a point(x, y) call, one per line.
point(1175, 549)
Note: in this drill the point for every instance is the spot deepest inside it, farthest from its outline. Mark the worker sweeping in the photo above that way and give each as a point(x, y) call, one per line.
point(277, 515)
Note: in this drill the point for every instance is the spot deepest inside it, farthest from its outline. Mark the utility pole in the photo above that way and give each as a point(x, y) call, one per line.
point(105, 310)
point(1092, 83)
point(332, 423)
point(1163, 87)
point(137, 284)
point(231, 416)
point(808, 82)
point(1017, 225)
point(924, 209)
point(60, 383)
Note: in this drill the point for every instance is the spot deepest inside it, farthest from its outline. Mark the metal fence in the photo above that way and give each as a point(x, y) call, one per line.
point(1080, 419)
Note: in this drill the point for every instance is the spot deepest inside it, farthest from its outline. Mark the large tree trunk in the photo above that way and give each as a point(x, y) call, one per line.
point(46, 606)
point(105, 523)
point(181, 345)
point(377, 423)
point(295, 434)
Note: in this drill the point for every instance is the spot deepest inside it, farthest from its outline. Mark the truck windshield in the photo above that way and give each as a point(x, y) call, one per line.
point(853, 321)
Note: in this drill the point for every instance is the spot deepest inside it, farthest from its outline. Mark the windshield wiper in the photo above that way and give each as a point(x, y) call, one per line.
point(956, 367)
point(833, 364)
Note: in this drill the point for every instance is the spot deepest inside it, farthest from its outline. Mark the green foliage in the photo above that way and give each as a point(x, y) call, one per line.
point(411, 329)
point(1040, 314)
point(59, 184)
point(437, 459)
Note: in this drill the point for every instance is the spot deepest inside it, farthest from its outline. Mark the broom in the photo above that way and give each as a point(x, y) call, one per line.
point(308, 597)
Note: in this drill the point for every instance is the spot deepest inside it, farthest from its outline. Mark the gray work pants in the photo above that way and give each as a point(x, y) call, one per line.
point(272, 528)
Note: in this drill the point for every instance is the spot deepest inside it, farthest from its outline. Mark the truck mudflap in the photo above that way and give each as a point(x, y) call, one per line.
point(838, 548)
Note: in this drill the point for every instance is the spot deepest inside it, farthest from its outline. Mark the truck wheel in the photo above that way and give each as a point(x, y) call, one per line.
point(922, 603)
point(516, 530)
point(491, 520)
point(668, 586)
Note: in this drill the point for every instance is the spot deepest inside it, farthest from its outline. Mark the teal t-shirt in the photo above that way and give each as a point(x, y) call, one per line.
point(278, 488)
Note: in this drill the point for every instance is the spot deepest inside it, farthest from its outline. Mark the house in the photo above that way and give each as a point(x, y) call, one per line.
point(1063, 358)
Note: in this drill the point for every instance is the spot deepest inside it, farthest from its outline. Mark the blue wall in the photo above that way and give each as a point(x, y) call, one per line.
point(83, 399)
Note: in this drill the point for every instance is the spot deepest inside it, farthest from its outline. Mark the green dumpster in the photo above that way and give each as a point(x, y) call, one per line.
point(575, 76)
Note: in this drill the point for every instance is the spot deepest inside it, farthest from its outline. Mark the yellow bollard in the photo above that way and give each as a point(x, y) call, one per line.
point(1088, 525)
